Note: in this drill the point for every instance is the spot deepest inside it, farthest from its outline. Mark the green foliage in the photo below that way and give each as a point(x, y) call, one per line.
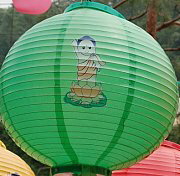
point(170, 38)
point(175, 134)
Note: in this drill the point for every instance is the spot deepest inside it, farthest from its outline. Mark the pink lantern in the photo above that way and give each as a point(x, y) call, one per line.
point(33, 7)
point(165, 161)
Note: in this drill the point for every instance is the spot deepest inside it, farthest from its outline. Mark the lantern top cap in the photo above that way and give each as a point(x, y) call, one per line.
point(94, 5)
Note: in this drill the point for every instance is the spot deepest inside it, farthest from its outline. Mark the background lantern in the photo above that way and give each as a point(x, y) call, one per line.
point(79, 93)
point(11, 163)
point(33, 7)
point(164, 161)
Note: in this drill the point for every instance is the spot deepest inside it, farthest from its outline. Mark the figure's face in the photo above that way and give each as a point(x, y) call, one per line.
point(86, 47)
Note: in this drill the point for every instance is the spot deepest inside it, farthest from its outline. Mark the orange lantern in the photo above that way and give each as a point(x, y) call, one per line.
point(11, 164)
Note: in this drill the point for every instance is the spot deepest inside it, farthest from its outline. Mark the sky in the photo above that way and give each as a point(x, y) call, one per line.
point(5, 3)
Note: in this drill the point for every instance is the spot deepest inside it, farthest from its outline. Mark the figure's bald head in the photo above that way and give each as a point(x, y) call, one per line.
point(86, 38)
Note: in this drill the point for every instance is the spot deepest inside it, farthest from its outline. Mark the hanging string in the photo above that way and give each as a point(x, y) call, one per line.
point(50, 172)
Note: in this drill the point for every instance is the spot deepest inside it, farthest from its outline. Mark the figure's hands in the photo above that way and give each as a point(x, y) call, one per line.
point(102, 63)
point(74, 42)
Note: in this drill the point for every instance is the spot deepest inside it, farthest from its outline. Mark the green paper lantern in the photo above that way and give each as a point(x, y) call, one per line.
point(88, 91)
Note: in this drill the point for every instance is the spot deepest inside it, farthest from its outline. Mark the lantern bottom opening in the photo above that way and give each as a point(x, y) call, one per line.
point(81, 170)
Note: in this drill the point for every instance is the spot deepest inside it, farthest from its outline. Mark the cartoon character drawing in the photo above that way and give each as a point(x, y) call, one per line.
point(86, 91)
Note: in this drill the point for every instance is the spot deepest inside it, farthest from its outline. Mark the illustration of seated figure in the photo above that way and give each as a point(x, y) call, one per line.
point(86, 91)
